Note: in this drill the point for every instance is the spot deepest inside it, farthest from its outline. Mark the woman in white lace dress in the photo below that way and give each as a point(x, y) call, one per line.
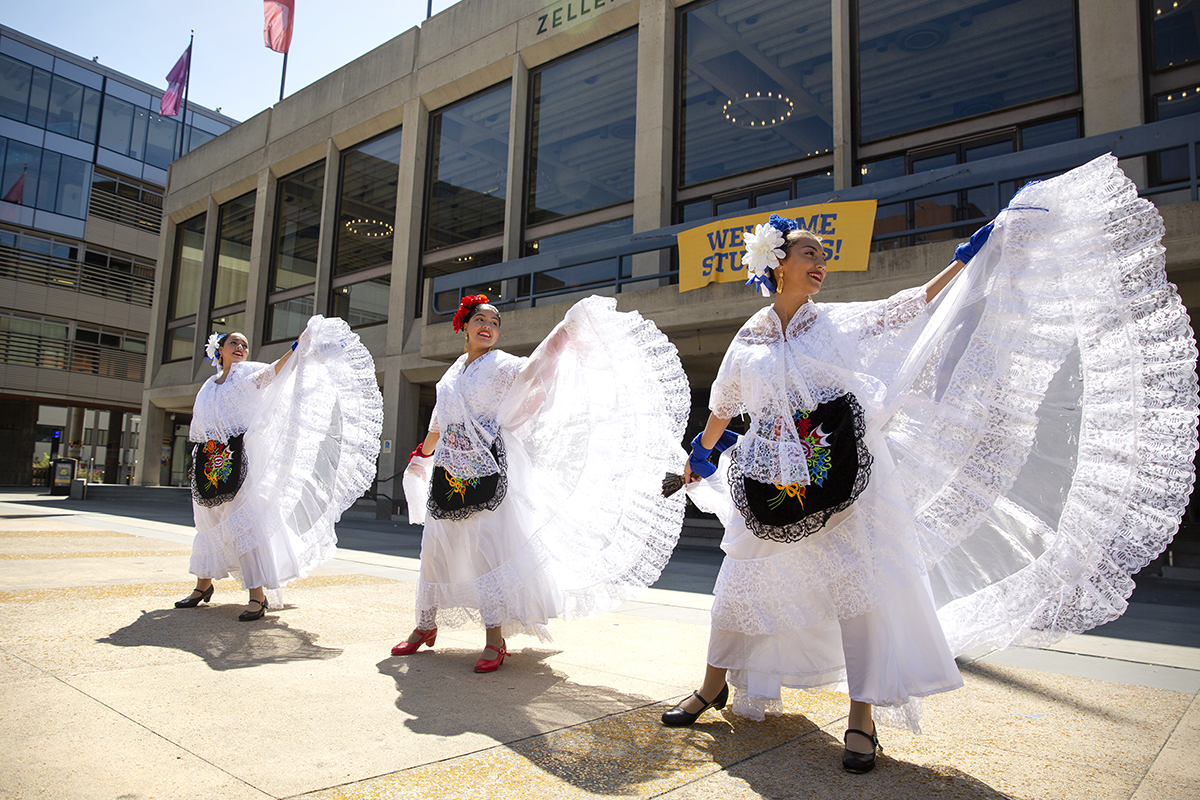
point(280, 451)
point(539, 482)
point(982, 460)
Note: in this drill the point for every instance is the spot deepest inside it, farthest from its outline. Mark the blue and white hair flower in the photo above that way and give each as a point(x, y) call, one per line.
point(212, 348)
point(763, 251)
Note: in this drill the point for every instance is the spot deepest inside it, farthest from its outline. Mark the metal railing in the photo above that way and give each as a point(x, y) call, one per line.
point(60, 354)
point(76, 276)
point(125, 211)
point(997, 177)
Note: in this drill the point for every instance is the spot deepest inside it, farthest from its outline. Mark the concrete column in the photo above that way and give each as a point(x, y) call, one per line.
point(112, 447)
point(74, 432)
point(18, 422)
point(149, 447)
point(329, 221)
point(91, 458)
point(162, 287)
point(261, 237)
point(212, 224)
point(653, 192)
point(518, 131)
point(400, 396)
point(843, 134)
point(1111, 69)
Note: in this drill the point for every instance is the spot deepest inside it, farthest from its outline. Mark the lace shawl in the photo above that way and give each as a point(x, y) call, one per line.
point(829, 349)
point(468, 397)
point(225, 409)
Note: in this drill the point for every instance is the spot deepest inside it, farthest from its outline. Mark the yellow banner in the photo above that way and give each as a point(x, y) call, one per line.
point(713, 252)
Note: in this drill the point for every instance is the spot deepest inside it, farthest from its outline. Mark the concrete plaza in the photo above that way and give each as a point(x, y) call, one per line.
point(111, 692)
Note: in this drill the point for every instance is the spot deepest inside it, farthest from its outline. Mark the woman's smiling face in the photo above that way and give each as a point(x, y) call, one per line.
point(235, 348)
point(483, 327)
point(803, 268)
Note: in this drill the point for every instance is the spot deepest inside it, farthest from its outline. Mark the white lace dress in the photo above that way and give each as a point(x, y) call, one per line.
point(310, 436)
point(1032, 434)
point(587, 426)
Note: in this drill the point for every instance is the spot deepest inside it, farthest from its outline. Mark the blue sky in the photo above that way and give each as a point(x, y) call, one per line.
point(231, 68)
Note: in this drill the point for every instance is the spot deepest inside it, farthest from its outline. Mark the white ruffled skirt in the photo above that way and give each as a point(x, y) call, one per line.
point(1036, 449)
point(590, 427)
point(310, 452)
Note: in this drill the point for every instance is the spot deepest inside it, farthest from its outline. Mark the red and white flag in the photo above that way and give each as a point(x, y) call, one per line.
point(176, 80)
point(277, 32)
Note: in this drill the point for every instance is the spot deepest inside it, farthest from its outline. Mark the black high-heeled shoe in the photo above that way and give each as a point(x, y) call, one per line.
point(192, 602)
point(250, 616)
point(859, 763)
point(678, 717)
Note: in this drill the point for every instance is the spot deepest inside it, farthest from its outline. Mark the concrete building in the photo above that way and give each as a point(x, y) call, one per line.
point(541, 151)
point(83, 165)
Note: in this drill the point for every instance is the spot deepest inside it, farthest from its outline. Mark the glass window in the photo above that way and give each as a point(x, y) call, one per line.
point(297, 228)
point(189, 259)
point(117, 125)
point(367, 205)
point(66, 107)
point(286, 319)
point(756, 88)
point(179, 343)
point(582, 131)
point(233, 251)
point(161, 141)
point(72, 187)
point(1170, 166)
point(998, 62)
point(16, 78)
point(197, 137)
point(809, 185)
point(47, 190)
point(137, 140)
point(89, 122)
point(22, 164)
point(1060, 130)
point(363, 303)
point(580, 275)
point(39, 98)
point(468, 170)
point(1176, 32)
point(229, 323)
point(881, 170)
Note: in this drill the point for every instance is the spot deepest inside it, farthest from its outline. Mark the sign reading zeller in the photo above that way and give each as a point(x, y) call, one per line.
point(567, 12)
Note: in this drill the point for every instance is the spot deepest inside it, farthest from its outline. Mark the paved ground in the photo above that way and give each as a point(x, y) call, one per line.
point(110, 692)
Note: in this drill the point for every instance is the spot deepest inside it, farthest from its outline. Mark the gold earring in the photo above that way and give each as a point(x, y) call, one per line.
point(778, 281)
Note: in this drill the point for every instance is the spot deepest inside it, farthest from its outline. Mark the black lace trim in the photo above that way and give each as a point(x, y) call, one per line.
point(225, 490)
point(805, 523)
point(485, 496)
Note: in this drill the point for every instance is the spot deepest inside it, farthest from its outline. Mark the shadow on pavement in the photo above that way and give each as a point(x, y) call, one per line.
point(220, 639)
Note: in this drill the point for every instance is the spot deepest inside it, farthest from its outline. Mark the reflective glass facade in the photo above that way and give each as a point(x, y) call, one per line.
point(364, 303)
point(184, 299)
point(233, 251)
point(43, 179)
point(367, 206)
point(1004, 53)
point(287, 318)
point(582, 128)
point(1175, 30)
point(468, 168)
point(755, 86)
point(297, 228)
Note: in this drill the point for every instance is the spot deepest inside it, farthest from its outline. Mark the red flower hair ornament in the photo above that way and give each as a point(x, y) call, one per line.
point(466, 308)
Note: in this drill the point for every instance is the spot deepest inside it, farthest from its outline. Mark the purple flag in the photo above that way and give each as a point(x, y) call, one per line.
point(176, 79)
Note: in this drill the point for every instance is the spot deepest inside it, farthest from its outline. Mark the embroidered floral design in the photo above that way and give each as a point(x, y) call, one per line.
point(816, 444)
point(218, 464)
point(459, 487)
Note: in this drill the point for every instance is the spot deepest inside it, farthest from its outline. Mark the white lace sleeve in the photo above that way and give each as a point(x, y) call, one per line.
point(725, 401)
point(434, 426)
point(883, 330)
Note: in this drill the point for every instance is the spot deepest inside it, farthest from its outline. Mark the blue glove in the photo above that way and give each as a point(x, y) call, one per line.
point(295, 343)
point(968, 249)
point(698, 460)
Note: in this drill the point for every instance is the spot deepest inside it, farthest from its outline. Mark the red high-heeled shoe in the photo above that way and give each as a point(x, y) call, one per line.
point(492, 664)
point(408, 648)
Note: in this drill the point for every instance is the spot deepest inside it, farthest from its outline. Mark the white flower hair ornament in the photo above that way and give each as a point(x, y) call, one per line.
point(762, 253)
point(212, 348)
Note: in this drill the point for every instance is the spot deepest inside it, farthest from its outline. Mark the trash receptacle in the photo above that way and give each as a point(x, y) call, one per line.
point(62, 472)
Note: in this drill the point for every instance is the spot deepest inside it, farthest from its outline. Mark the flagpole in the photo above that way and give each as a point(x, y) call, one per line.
point(283, 77)
point(186, 85)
